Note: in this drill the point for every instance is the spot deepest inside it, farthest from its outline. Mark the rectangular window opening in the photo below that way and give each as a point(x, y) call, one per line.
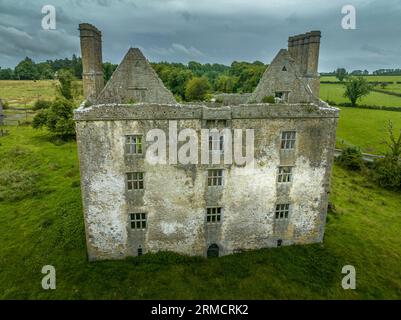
point(215, 177)
point(213, 214)
point(284, 174)
point(138, 221)
point(288, 140)
point(282, 211)
point(135, 180)
point(134, 144)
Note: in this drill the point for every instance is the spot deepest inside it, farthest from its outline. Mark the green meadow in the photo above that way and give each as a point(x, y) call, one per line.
point(365, 128)
point(371, 78)
point(335, 93)
point(41, 224)
point(24, 93)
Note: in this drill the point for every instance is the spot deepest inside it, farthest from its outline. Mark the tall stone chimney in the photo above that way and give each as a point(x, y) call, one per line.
point(304, 49)
point(91, 51)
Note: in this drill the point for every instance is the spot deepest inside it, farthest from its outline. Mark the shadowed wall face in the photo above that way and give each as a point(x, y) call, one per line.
point(91, 50)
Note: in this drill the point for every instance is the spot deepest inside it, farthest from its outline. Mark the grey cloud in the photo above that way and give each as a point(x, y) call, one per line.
point(207, 31)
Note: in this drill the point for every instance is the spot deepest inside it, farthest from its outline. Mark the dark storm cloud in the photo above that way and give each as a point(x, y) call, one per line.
point(207, 31)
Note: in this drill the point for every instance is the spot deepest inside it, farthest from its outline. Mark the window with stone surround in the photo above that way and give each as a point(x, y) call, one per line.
point(282, 211)
point(216, 143)
point(214, 177)
point(213, 214)
point(288, 140)
point(135, 181)
point(138, 221)
point(133, 144)
point(284, 174)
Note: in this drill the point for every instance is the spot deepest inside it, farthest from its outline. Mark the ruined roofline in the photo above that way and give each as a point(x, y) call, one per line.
point(146, 111)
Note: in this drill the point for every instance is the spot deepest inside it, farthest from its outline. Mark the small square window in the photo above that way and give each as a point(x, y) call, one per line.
point(215, 177)
point(138, 221)
point(135, 181)
point(133, 144)
point(288, 140)
point(213, 214)
point(284, 174)
point(282, 211)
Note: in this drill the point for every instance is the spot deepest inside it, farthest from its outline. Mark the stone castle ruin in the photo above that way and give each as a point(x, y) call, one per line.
point(132, 206)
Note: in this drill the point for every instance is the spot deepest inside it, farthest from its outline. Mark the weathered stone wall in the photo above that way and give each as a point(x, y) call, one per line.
point(176, 196)
point(229, 99)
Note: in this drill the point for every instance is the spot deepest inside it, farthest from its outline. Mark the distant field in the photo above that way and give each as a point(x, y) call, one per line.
point(370, 78)
point(24, 93)
point(365, 128)
point(334, 92)
point(396, 88)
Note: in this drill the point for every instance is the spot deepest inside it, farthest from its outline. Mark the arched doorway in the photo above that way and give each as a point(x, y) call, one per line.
point(213, 251)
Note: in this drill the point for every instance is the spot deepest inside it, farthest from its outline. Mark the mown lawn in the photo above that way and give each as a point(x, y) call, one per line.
point(335, 93)
point(41, 223)
point(366, 129)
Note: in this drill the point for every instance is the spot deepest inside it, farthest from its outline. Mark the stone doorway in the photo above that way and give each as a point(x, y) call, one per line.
point(213, 251)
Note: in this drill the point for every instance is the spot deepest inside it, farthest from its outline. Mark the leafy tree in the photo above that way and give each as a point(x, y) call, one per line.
point(57, 118)
point(351, 158)
point(26, 70)
point(341, 74)
point(387, 171)
point(6, 74)
point(45, 71)
point(394, 142)
point(42, 104)
point(197, 89)
point(108, 69)
point(66, 79)
point(226, 84)
point(356, 88)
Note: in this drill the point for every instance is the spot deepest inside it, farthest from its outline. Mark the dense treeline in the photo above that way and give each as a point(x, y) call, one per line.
point(237, 78)
point(380, 72)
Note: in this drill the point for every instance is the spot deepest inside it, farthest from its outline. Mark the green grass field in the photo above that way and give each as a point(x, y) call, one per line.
point(366, 128)
point(370, 78)
point(335, 93)
point(24, 93)
point(41, 223)
point(396, 88)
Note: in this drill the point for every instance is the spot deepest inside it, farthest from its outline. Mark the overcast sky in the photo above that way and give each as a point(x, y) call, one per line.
point(205, 30)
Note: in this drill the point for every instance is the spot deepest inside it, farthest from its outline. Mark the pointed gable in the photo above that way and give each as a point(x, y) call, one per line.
point(283, 79)
point(135, 81)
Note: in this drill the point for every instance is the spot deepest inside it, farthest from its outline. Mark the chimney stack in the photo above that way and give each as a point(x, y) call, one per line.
point(92, 64)
point(304, 49)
